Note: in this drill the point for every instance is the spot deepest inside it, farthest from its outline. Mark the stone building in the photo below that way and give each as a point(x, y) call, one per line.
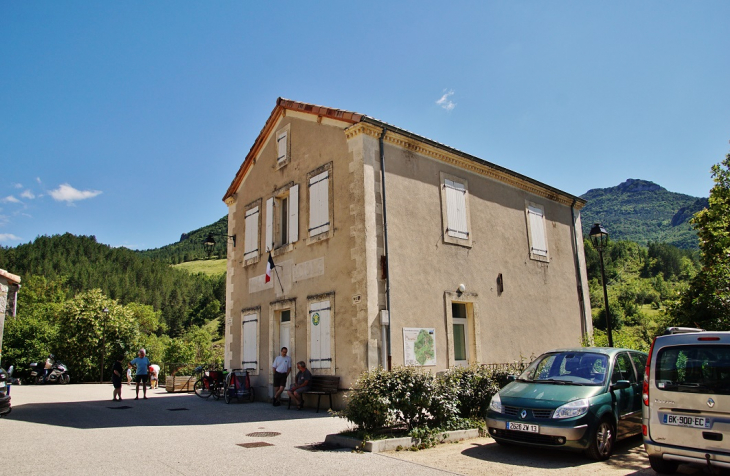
point(9, 286)
point(392, 249)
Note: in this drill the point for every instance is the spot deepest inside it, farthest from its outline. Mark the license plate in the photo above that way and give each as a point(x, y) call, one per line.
point(511, 425)
point(686, 421)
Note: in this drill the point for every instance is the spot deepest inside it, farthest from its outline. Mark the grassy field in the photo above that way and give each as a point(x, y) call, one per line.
point(207, 266)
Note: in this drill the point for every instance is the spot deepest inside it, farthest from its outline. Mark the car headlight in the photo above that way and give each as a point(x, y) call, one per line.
point(496, 404)
point(572, 409)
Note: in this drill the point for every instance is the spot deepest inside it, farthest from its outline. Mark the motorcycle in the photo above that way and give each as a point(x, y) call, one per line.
point(5, 380)
point(59, 373)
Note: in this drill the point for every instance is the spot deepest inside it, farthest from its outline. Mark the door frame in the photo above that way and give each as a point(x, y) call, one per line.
point(275, 309)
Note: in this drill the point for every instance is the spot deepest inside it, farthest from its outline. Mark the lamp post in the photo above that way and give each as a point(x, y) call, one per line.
point(103, 345)
point(599, 238)
point(209, 241)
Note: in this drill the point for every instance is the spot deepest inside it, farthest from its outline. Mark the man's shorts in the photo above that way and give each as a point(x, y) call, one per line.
point(279, 379)
point(140, 378)
point(302, 390)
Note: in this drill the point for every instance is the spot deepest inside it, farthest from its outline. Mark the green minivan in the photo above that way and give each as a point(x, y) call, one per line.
point(577, 399)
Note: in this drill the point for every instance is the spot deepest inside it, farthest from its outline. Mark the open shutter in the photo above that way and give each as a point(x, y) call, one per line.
point(250, 342)
point(456, 209)
point(251, 242)
point(269, 224)
point(281, 146)
point(320, 356)
point(319, 204)
point(294, 214)
point(538, 243)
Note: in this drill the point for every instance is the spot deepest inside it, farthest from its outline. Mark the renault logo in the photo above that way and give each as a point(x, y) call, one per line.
point(523, 414)
point(710, 402)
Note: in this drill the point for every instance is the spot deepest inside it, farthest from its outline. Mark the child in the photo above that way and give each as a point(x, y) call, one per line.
point(129, 374)
point(117, 378)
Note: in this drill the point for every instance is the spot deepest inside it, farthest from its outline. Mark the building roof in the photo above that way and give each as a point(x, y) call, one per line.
point(282, 105)
point(10, 277)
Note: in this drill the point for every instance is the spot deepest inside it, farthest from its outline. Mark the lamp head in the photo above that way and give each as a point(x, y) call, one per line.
point(599, 237)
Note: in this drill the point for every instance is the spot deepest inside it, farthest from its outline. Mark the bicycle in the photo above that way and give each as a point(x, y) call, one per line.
point(209, 384)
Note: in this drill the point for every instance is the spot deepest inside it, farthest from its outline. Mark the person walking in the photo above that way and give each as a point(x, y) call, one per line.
point(282, 367)
point(117, 378)
point(143, 364)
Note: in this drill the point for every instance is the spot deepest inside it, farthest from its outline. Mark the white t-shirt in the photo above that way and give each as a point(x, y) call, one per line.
point(156, 370)
point(282, 364)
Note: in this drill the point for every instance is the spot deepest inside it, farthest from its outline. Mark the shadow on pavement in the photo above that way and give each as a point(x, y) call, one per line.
point(629, 456)
point(161, 409)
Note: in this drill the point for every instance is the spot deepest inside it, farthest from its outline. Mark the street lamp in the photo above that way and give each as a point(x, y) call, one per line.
point(103, 345)
point(209, 241)
point(599, 238)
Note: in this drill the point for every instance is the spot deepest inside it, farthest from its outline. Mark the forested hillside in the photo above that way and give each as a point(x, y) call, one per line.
point(190, 247)
point(643, 212)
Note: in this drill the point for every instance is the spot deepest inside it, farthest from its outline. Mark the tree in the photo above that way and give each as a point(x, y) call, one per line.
point(706, 303)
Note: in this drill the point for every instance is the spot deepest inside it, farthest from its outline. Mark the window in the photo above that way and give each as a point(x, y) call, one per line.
point(455, 210)
point(251, 236)
point(282, 218)
point(460, 327)
point(536, 232)
point(623, 369)
point(321, 335)
point(320, 206)
point(282, 147)
point(249, 341)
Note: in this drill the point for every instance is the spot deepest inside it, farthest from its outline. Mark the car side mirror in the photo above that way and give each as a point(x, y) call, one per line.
point(511, 378)
point(620, 385)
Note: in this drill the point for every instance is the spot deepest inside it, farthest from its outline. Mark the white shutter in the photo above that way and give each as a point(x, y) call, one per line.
point(269, 224)
point(456, 209)
point(320, 356)
point(294, 214)
point(538, 243)
point(251, 242)
point(250, 342)
point(319, 204)
point(281, 146)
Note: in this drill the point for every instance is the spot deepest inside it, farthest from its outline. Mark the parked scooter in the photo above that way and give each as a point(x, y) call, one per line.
point(59, 373)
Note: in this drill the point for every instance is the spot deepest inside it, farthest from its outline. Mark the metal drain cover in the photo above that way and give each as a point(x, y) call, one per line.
point(177, 409)
point(119, 408)
point(257, 444)
point(263, 434)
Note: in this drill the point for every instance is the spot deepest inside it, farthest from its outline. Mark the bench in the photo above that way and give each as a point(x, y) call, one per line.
point(322, 385)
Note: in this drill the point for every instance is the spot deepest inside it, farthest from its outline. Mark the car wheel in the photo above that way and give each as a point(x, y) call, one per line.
point(602, 440)
point(663, 466)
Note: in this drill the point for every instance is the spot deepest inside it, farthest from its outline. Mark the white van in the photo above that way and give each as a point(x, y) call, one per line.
point(686, 400)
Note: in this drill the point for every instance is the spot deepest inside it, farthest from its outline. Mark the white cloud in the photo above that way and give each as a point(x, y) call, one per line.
point(445, 102)
point(38, 179)
point(66, 193)
point(28, 194)
point(18, 185)
point(10, 199)
point(8, 237)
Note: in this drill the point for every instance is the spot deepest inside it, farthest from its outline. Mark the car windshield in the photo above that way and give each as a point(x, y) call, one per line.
point(567, 368)
point(694, 369)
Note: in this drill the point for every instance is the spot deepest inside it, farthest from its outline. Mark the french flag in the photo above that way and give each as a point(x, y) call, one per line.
point(269, 268)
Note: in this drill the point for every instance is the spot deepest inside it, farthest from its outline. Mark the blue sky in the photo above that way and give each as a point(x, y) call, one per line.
point(128, 120)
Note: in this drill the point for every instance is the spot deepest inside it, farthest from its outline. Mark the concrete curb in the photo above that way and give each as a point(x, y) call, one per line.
point(391, 444)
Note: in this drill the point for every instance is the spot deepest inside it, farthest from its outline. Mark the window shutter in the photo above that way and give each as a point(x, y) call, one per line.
point(319, 204)
point(251, 242)
point(538, 243)
point(281, 146)
point(269, 224)
point(294, 214)
point(320, 356)
point(456, 209)
point(250, 342)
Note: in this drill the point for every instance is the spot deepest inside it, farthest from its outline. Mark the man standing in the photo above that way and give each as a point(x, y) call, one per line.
point(301, 384)
point(282, 367)
point(143, 364)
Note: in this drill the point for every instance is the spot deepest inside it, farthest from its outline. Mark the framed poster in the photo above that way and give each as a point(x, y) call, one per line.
point(419, 346)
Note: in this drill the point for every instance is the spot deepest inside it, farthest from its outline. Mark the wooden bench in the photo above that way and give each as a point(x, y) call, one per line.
point(322, 385)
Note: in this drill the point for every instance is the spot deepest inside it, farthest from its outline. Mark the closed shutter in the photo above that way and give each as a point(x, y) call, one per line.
point(269, 224)
point(251, 242)
point(320, 355)
point(319, 204)
point(294, 214)
point(456, 209)
point(281, 146)
point(538, 243)
point(250, 341)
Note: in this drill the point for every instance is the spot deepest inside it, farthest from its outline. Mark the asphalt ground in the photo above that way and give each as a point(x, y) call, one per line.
point(79, 430)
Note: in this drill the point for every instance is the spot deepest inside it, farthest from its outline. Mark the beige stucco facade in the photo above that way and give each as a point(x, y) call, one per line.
point(515, 302)
point(9, 286)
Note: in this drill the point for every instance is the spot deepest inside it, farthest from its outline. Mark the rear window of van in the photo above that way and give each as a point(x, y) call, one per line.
point(694, 369)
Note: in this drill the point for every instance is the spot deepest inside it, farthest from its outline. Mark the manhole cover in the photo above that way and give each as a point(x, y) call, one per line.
point(119, 408)
point(257, 444)
point(263, 434)
point(177, 409)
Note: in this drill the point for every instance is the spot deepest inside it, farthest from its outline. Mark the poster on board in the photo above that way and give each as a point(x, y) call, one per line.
point(419, 346)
